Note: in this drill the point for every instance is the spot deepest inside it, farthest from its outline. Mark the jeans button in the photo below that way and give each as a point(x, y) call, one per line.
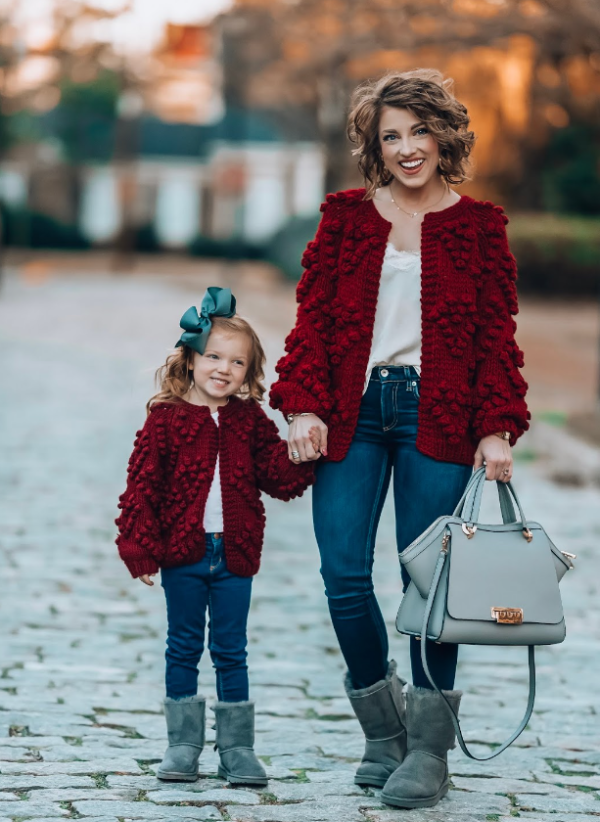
point(384, 372)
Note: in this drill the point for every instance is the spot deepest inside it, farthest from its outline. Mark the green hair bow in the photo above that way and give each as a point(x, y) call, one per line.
point(217, 302)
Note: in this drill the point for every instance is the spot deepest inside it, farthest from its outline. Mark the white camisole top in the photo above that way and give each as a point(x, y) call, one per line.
point(397, 328)
point(213, 512)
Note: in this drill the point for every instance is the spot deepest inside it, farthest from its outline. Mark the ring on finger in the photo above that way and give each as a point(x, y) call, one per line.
point(296, 455)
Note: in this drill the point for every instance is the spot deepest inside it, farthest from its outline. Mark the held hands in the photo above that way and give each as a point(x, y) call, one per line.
point(496, 455)
point(307, 438)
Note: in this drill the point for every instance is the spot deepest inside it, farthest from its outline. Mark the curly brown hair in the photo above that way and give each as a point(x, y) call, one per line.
point(429, 96)
point(175, 377)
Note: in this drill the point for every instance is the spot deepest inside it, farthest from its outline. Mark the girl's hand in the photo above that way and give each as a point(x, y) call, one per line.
point(307, 436)
point(496, 455)
point(145, 578)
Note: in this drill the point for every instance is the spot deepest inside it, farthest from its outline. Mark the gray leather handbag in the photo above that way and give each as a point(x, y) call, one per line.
point(478, 584)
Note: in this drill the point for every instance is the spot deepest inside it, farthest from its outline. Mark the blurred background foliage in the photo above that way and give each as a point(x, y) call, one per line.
point(221, 137)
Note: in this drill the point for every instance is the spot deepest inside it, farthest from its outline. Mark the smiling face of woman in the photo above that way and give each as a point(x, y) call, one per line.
point(410, 153)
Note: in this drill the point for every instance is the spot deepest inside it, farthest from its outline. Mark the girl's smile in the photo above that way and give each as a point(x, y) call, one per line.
point(221, 371)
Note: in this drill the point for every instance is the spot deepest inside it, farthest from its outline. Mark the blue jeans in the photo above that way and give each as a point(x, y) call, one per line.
point(190, 590)
point(348, 497)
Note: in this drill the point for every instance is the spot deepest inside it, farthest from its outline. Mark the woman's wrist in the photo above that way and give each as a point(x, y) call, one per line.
point(290, 417)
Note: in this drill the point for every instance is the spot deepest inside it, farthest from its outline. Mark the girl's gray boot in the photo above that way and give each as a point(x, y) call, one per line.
point(380, 709)
point(185, 727)
point(422, 779)
point(235, 743)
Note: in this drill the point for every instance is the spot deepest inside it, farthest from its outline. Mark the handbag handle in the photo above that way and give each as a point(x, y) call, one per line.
point(506, 506)
point(473, 501)
point(475, 478)
point(453, 716)
point(469, 504)
point(478, 493)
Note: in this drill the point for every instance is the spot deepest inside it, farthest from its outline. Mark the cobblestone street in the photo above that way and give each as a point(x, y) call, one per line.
point(82, 644)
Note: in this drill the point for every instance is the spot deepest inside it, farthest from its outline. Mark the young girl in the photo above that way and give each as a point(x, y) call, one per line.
point(192, 508)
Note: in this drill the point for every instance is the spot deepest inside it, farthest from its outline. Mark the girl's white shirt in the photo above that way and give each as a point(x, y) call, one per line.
point(397, 327)
point(213, 513)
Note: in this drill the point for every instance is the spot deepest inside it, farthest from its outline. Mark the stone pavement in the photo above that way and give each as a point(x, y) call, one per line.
point(81, 644)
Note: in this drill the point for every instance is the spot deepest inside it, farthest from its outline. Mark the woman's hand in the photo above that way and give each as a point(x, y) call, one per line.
point(495, 453)
point(145, 578)
point(308, 437)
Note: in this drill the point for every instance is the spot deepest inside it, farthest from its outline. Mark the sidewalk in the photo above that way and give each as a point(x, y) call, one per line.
point(81, 648)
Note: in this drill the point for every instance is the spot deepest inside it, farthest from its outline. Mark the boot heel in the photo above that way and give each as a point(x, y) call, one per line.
point(370, 781)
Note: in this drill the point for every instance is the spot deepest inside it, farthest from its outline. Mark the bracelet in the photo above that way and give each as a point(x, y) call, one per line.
point(504, 435)
point(290, 417)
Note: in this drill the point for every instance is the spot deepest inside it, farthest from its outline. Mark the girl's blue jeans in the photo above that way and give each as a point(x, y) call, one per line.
point(191, 591)
point(348, 497)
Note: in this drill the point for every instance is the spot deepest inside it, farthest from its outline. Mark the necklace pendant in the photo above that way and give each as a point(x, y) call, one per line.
point(414, 214)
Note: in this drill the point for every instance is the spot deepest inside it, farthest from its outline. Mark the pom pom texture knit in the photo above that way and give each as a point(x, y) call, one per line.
point(471, 385)
point(169, 477)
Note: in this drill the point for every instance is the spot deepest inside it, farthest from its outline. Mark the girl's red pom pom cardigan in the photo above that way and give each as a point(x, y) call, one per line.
point(170, 473)
point(471, 385)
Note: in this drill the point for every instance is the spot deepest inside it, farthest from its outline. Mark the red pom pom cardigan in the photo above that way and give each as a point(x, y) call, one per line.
point(471, 385)
point(169, 477)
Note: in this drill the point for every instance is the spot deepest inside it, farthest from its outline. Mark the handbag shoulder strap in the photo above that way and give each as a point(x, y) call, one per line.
point(453, 716)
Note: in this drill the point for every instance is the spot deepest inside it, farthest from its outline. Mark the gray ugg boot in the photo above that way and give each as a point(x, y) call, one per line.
point(235, 743)
point(380, 709)
point(185, 727)
point(422, 779)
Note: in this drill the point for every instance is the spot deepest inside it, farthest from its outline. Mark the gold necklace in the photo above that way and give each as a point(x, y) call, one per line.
point(416, 213)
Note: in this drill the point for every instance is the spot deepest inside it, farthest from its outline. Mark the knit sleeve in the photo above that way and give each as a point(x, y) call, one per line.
point(304, 370)
point(139, 540)
point(277, 476)
point(499, 388)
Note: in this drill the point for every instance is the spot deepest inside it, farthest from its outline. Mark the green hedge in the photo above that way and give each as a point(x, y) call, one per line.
point(30, 229)
point(556, 254)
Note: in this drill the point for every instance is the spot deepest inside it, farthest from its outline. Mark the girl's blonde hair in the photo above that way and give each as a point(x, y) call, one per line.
point(429, 96)
point(175, 377)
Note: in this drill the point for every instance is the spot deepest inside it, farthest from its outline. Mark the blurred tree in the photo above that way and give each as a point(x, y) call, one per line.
point(85, 88)
point(313, 53)
point(570, 177)
point(9, 57)
point(97, 96)
point(86, 116)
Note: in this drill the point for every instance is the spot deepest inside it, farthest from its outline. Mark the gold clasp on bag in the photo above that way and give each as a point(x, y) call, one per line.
point(569, 557)
point(469, 530)
point(508, 616)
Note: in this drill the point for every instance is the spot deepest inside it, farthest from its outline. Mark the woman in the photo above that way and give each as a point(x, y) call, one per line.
point(404, 365)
